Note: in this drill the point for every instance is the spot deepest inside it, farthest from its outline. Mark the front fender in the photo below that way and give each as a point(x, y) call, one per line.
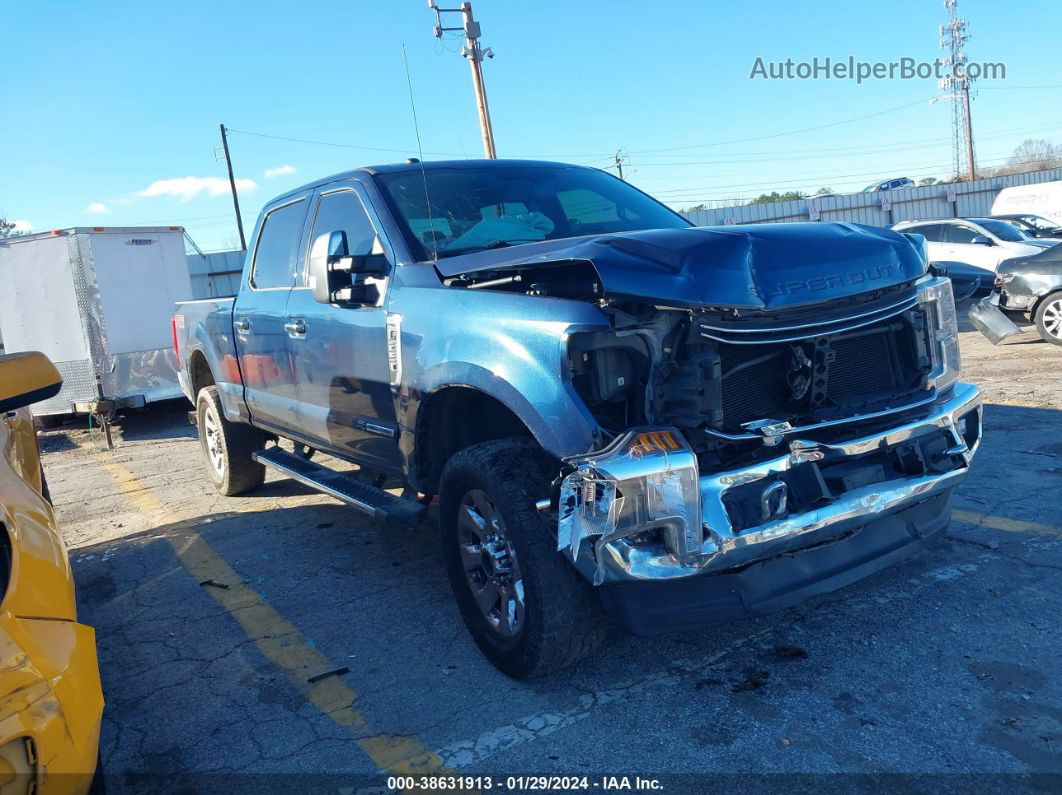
point(550, 409)
point(510, 346)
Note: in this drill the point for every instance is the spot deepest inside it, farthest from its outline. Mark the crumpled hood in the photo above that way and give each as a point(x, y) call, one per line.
point(760, 266)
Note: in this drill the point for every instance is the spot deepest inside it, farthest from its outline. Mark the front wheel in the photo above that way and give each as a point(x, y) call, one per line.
point(1049, 318)
point(228, 446)
point(526, 607)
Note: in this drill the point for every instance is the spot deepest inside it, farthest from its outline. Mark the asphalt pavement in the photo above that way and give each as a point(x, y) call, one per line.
point(212, 615)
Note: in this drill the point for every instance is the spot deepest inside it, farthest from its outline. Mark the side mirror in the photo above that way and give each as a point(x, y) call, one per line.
point(26, 378)
point(333, 270)
point(981, 240)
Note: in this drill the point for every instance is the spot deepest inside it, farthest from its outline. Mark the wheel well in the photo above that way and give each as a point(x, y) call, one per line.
point(200, 373)
point(1040, 302)
point(451, 420)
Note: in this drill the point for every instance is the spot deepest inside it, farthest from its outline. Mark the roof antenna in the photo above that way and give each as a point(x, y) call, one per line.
point(420, 152)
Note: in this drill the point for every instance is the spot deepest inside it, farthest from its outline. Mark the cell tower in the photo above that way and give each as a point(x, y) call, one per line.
point(956, 86)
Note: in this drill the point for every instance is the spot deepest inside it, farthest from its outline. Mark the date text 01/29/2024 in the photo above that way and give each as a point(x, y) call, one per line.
point(523, 783)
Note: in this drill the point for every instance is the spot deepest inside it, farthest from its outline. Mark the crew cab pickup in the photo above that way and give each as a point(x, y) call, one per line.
point(620, 414)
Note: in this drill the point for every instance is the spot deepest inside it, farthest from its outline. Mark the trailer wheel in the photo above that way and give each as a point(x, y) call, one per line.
point(227, 446)
point(529, 611)
point(1049, 318)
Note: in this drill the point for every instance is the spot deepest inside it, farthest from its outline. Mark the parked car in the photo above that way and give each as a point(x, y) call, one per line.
point(1034, 226)
point(967, 281)
point(616, 409)
point(1040, 198)
point(890, 184)
point(1028, 290)
point(982, 242)
point(51, 703)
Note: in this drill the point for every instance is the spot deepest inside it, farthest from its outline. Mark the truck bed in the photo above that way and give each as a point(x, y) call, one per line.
point(202, 334)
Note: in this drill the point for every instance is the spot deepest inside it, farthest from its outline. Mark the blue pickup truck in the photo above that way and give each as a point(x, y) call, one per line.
point(622, 416)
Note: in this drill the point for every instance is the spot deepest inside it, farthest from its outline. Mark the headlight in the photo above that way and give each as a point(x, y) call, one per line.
point(937, 300)
point(646, 480)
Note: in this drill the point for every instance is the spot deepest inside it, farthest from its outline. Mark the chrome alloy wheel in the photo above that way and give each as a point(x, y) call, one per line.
point(490, 564)
point(212, 435)
point(1052, 318)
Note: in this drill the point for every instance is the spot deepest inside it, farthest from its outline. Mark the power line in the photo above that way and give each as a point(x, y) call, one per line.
point(599, 155)
point(781, 134)
point(852, 151)
point(337, 145)
point(1018, 88)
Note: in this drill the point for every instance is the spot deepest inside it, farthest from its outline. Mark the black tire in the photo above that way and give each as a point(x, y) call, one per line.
point(563, 619)
point(1049, 318)
point(227, 446)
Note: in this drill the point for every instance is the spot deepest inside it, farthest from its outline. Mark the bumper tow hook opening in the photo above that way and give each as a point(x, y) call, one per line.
point(774, 501)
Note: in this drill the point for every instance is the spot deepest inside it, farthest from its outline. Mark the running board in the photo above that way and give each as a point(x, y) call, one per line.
point(375, 502)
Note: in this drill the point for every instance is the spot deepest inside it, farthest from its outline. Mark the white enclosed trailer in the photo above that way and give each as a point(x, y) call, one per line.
point(98, 301)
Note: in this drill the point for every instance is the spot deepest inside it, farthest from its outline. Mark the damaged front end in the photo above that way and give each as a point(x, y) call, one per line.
point(759, 439)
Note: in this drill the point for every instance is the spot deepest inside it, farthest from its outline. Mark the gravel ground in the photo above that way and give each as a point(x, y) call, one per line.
point(212, 613)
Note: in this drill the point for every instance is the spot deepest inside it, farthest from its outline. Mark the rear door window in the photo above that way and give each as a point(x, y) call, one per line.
point(278, 247)
point(934, 233)
point(960, 234)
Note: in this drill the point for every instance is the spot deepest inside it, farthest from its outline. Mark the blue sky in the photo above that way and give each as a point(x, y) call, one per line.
point(111, 109)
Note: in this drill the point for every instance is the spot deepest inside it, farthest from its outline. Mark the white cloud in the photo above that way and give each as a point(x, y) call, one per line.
point(187, 188)
point(98, 208)
point(279, 171)
point(21, 225)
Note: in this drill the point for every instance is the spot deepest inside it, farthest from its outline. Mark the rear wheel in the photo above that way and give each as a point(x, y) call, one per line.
point(528, 610)
point(1049, 318)
point(228, 446)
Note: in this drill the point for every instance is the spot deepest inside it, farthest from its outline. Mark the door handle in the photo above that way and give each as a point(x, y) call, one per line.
point(295, 328)
point(242, 325)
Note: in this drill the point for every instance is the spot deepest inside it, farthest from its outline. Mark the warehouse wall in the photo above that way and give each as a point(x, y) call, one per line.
point(215, 275)
point(971, 199)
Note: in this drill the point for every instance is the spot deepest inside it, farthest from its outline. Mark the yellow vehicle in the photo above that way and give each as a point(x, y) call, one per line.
point(51, 702)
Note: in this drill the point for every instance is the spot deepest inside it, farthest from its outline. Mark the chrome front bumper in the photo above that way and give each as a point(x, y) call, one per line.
point(724, 548)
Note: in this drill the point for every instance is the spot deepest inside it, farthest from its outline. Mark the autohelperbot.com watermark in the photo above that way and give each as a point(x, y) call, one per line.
point(850, 68)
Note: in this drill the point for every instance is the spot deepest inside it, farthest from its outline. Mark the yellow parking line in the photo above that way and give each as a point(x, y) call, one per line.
point(278, 639)
point(1007, 525)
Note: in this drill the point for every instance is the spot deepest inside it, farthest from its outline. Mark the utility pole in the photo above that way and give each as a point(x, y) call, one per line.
point(971, 167)
point(619, 165)
point(953, 37)
point(475, 55)
point(232, 184)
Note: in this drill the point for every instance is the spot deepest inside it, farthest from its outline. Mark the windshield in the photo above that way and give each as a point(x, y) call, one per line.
point(475, 208)
point(1003, 230)
point(1042, 224)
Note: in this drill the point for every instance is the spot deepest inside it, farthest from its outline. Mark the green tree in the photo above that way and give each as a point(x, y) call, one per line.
point(927, 181)
point(7, 228)
point(775, 196)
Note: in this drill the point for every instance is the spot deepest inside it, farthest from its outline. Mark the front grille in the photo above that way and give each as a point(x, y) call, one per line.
point(754, 382)
point(862, 366)
point(823, 377)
